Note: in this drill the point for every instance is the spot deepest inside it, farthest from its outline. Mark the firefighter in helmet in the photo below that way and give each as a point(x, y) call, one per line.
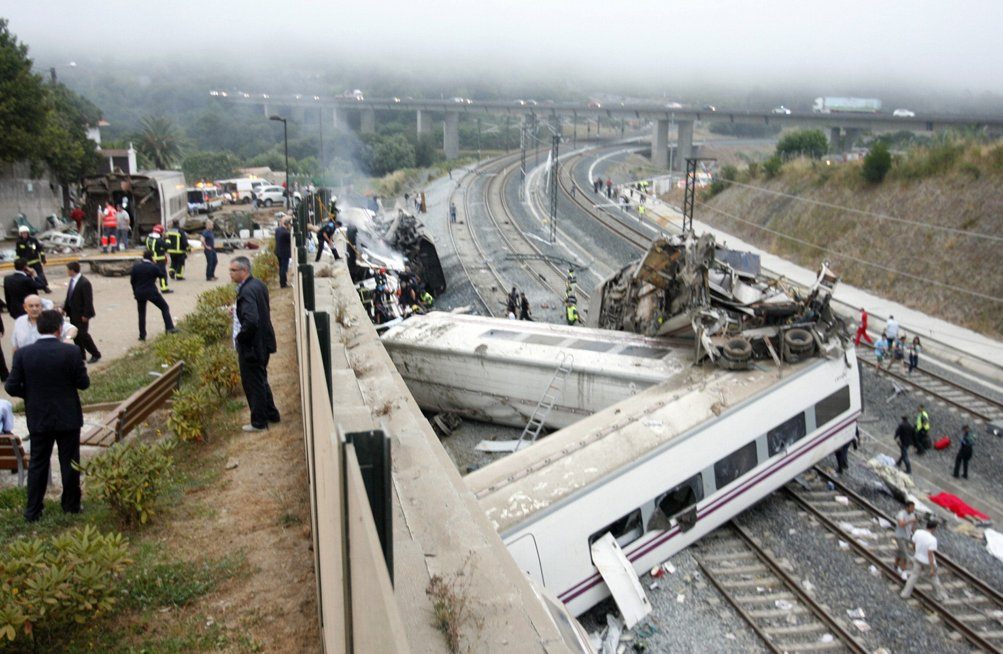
point(156, 244)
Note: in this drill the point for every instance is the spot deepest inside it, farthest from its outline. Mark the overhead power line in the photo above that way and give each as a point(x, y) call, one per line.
point(871, 214)
point(853, 258)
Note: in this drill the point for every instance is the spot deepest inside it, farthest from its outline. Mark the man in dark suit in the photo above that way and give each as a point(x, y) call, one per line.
point(79, 308)
point(18, 285)
point(144, 278)
point(283, 248)
point(255, 342)
point(48, 374)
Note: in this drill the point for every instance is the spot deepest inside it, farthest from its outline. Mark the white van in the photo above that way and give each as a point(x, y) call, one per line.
point(240, 190)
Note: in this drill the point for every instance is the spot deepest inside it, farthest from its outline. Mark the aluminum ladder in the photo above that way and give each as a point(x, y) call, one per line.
point(547, 402)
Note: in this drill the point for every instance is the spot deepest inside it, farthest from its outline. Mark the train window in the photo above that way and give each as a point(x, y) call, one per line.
point(591, 346)
point(832, 406)
point(786, 434)
point(680, 502)
point(735, 465)
point(625, 530)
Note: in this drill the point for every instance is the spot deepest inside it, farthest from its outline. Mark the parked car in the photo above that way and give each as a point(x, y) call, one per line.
point(709, 107)
point(269, 195)
point(782, 110)
point(904, 113)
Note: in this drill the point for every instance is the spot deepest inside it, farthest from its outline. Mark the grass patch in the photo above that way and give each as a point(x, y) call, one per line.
point(152, 583)
point(123, 377)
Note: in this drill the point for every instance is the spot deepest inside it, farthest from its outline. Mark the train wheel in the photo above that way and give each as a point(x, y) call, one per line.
point(737, 349)
point(799, 343)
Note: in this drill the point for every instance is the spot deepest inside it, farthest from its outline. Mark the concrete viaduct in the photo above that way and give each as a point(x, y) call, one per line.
point(842, 127)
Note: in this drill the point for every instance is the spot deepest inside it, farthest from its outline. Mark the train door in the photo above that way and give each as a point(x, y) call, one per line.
point(527, 556)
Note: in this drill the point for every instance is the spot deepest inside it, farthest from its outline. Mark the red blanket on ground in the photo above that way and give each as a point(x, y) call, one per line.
point(954, 504)
point(943, 443)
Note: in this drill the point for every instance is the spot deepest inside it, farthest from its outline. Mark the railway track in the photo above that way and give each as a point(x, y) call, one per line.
point(973, 609)
point(982, 408)
point(769, 599)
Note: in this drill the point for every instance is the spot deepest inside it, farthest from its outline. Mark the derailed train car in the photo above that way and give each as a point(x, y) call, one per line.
point(686, 286)
point(153, 197)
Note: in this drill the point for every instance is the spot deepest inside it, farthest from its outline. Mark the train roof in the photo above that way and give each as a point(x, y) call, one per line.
point(538, 344)
point(564, 463)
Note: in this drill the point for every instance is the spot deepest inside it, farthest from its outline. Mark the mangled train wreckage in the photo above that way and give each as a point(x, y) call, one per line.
point(686, 286)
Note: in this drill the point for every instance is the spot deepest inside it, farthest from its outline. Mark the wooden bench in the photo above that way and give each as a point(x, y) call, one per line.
point(13, 456)
point(129, 414)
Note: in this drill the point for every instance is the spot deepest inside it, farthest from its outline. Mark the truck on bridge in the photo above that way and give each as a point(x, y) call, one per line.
point(832, 105)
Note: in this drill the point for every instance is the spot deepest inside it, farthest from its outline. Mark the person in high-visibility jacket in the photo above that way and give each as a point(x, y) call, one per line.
point(28, 248)
point(427, 299)
point(178, 248)
point(109, 229)
point(572, 313)
point(156, 244)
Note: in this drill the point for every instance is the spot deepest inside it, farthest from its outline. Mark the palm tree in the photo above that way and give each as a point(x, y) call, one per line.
point(159, 142)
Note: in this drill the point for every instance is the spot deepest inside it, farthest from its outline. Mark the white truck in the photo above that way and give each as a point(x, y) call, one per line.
point(832, 105)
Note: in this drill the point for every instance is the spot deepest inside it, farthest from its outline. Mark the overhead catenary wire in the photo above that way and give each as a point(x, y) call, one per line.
point(870, 214)
point(851, 257)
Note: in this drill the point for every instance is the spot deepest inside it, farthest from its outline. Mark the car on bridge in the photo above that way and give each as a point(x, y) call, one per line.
point(782, 110)
point(904, 113)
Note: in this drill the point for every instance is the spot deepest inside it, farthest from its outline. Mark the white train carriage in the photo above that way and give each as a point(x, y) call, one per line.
point(497, 370)
point(664, 468)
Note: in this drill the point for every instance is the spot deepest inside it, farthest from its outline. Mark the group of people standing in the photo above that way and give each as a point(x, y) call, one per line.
point(909, 434)
point(518, 303)
point(892, 346)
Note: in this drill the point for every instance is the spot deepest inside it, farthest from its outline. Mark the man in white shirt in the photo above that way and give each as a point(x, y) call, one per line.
point(25, 327)
point(925, 557)
point(892, 329)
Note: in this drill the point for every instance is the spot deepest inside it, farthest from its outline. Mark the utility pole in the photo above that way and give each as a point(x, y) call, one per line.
point(690, 194)
point(554, 171)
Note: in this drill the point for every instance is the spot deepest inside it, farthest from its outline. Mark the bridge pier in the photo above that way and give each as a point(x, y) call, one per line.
point(424, 122)
point(684, 145)
point(368, 123)
point(451, 135)
point(660, 144)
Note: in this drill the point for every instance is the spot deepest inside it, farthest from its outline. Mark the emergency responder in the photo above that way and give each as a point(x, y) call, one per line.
point(572, 311)
point(109, 228)
point(28, 248)
point(426, 299)
point(157, 245)
point(178, 248)
point(569, 288)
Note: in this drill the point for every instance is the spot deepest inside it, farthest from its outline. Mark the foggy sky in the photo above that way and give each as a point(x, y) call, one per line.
point(851, 47)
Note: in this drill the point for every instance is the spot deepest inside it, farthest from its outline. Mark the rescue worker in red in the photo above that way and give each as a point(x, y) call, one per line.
point(109, 229)
point(862, 329)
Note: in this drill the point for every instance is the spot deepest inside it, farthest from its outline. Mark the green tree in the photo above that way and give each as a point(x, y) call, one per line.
point(387, 154)
point(159, 142)
point(65, 147)
point(803, 143)
point(209, 165)
point(22, 101)
point(877, 163)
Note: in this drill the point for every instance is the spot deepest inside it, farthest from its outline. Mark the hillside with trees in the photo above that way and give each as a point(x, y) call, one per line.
point(918, 220)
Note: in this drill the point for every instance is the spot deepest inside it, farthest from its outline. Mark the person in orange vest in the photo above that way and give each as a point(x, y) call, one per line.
point(109, 228)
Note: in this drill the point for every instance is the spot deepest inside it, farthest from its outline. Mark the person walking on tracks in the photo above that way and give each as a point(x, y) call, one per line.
point(79, 308)
point(862, 329)
point(905, 436)
point(925, 560)
point(144, 278)
point(254, 340)
point(48, 375)
point(965, 453)
point(905, 525)
point(914, 349)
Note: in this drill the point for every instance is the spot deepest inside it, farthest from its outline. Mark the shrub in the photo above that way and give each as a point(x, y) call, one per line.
point(877, 163)
point(129, 477)
point(265, 266)
point(803, 143)
point(192, 406)
point(772, 166)
point(48, 585)
point(216, 369)
point(183, 346)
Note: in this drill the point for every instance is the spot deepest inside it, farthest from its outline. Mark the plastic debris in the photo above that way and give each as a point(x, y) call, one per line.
point(653, 585)
point(611, 640)
point(783, 605)
point(856, 614)
point(826, 638)
point(668, 567)
point(884, 524)
point(873, 570)
point(808, 586)
point(657, 571)
point(843, 545)
point(792, 531)
point(842, 499)
point(680, 598)
point(861, 626)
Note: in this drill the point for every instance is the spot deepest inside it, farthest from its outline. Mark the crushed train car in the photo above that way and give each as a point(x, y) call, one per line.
point(686, 286)
point(154, 197)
